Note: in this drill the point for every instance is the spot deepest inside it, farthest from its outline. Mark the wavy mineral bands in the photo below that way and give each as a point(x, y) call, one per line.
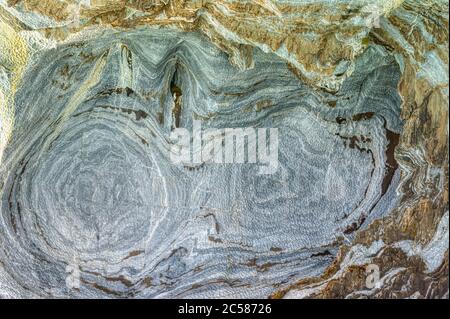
point(88, 188)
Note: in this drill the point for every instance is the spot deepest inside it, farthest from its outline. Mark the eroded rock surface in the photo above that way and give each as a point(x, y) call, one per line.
point(92, 90)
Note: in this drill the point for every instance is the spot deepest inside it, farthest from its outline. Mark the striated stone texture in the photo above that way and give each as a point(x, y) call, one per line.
point(91, 90)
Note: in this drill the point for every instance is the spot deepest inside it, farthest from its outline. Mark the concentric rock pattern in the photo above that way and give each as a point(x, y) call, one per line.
point(87, 182)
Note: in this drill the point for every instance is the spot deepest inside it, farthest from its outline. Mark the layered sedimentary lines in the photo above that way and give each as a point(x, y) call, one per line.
point(93, 206)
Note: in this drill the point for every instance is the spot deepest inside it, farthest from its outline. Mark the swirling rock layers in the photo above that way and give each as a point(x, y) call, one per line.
point(92, 205)
point(87, 178)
